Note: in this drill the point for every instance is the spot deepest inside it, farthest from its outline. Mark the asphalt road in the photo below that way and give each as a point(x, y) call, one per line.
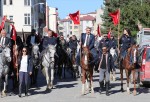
point(69, 90)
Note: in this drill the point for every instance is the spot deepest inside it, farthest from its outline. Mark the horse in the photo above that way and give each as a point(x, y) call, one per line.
point(48, 65)
point(114, 54)
point(74, 67)
point(35, 53)
point(129, 64)
point(5, 58)
point(15, 54)
point(87, 70)
point(63, 62)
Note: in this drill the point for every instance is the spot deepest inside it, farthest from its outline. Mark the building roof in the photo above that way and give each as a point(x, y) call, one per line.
point(84, 18)
point(87, 18)
point(92, 13)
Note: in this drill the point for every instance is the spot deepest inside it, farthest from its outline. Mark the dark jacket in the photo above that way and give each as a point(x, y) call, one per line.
point(126, 42)
point(91, 40)
point(7, 41)
point(49, 41)
point(30, 63)
point(28, 41)
point(72, 44)
point(104, 42)
point(113, 43)
point(110, 62)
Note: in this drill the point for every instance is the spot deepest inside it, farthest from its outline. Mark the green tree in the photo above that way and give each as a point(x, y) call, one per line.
point(132, 11)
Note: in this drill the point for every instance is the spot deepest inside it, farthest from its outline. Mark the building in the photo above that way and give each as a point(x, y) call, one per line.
point(53, 14)
point(1, 10)
point(26, 14)
point(67, 27)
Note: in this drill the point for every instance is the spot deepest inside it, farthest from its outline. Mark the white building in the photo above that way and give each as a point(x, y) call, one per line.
point(67, 27)
point(21, 12)
point(53, 18)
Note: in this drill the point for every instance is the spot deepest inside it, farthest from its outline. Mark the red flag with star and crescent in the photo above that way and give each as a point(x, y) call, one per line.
point(13, 33)
point(115, 16)
point(3, 22)
point(75, 17)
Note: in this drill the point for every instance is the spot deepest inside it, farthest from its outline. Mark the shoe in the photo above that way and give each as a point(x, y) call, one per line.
point(100, 87)
point(107, 88)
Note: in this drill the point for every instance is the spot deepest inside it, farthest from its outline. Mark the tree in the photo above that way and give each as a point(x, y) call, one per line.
point(132, 11)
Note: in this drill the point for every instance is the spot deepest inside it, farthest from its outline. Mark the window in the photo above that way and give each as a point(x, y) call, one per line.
point(27, 2)
point(70, 32)
point(70, 22)
point(70, 27)
point(75, 27)
point(87, 22)
point(27, 19)
point(11, 18)
point(4, 2)
point(10, 2)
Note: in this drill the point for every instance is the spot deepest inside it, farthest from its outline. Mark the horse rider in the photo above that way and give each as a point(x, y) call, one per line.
point(126, 41)
point(104, 42)
point(4, 41)
point(32, 39)
point(48, 40)
point(87, 40)
point(105, 65)
point(63, 43)
point(72, 45)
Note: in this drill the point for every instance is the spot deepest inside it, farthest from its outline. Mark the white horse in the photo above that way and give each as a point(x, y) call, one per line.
point(5, 59)
point(48, 65)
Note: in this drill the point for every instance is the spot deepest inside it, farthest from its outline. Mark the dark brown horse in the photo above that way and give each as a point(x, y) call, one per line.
point(129, 64)
point(87, 69)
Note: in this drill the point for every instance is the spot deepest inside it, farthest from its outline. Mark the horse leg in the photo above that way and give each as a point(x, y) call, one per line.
point(1, 85)
point(52, 77)
point(134, 81)
point(47, 77)
point(5, 85)
point(121, 76)
point(91, 80)
point(83, 81)
point(128, 75)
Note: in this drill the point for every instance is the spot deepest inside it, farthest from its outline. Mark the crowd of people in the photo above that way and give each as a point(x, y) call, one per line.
point(99, 47)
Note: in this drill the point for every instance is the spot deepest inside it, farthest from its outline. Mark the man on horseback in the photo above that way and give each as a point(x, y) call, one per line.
point(4, 41)
point(104, 42)
point(32, 39)
point(88, 40)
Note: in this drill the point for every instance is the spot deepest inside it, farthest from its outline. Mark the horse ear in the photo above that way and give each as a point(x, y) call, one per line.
point(38, 44)
point(55, 45)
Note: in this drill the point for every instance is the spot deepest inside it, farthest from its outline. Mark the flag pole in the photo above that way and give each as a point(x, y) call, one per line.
point(16, 59)
point(80, 38)
point(118, 30)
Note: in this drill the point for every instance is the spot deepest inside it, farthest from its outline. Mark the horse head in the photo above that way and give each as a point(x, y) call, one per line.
point(86, 54)
point(6, 53)
point(52, 50)
point(35, 50)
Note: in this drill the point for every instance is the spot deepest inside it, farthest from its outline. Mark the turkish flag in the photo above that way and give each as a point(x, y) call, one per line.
point(3, 22)
point(98, 30)
point(75, 17)
point(13, 33)
point(115, 16)
point(109, 34)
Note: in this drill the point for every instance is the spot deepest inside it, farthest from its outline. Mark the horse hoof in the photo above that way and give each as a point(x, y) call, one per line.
point(122, 90)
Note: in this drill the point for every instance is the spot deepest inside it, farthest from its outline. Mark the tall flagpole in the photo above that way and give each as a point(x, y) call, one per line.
point(118, 30)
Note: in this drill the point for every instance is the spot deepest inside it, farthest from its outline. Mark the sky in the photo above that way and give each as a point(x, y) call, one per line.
point(71, 6)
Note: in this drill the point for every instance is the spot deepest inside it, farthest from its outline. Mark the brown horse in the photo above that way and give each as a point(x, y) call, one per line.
point(87, 70)
point(128, 63)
